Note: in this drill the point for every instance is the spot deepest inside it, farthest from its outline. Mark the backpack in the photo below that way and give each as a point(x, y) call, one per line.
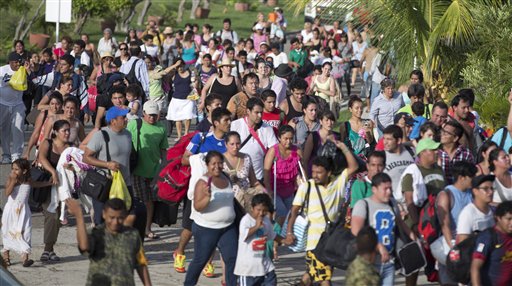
point(458, 260)
point(174, 178)
point(131, 77)
point(428, 225)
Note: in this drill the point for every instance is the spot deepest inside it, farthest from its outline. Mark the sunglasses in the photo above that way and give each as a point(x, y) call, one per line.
point(123, 49)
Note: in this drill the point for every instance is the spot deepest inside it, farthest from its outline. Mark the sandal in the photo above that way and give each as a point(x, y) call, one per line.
point(28, 263)
point(53, 257)
point(152, 236)
point(45, 256)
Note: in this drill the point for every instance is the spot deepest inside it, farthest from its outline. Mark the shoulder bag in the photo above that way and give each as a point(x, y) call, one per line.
point(300, 228)
point(337, 245)
point(97, 182)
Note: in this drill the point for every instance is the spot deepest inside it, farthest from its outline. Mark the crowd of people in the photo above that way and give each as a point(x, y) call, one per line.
point(267, 151)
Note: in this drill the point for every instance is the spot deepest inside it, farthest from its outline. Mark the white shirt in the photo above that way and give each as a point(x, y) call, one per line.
point(282, 58)
point(106, 46)
point(377, 77)
point(8, 95)
point(250, 259)
point(472, 219)
point(84, 58)
point(150, 50)
point(252, 147)
point(141, 72)
point(505, 192)
point(306, 37)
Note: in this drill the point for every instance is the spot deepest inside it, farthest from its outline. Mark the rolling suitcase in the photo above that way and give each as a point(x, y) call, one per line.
point(165, 213)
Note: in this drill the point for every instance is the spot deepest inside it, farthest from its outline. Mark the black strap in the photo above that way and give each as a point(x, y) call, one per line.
point(139, 126)
point(305, 204)
point(132, 69)
point(326, 217)
point(245, 141)
point(409, 149)
point(107, 140)
point(503, 137)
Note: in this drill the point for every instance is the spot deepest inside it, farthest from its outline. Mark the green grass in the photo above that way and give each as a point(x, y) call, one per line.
point(241, 21)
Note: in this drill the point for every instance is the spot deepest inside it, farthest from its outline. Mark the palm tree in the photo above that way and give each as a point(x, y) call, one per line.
point(433, 35)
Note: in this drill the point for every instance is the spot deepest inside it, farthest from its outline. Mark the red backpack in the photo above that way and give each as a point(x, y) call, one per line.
point(428, 225)
point(174, 178)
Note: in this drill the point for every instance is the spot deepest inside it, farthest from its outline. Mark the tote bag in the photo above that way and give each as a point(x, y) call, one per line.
point(300, 228)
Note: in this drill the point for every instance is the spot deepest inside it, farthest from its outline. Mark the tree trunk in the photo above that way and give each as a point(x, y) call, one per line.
point(206, 4)
point(80, 22)
point(195, 4)
point(19, 28)
point(181, 9)
point(145, 9)
point(125, 25)
point(29, 25)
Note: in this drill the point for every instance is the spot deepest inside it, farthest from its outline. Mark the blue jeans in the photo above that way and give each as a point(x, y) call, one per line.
point(283, 206)
point(270, 279)
point(205, 241)
point(386, 272)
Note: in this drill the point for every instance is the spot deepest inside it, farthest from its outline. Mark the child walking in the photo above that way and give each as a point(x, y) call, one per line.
point(253, 263)
point(17, 218)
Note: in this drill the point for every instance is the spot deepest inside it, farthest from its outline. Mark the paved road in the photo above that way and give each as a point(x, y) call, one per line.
point(72, 270)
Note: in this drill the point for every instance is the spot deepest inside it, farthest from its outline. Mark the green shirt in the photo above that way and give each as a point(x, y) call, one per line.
point(408, 109)
point(114, 257)
point(433, 178)
point(362, 273)
point(360, 190)
point(298, 56)
point(153, 139)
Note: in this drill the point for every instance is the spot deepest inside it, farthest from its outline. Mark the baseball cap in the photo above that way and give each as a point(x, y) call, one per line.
point(14, 57)
point(426, 144)
point(150, 107)
point(478, 180)
point(114, 112)
point(408, 118)
point(258, 27)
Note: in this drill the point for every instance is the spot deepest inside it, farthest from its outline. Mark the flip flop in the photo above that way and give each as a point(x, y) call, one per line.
point(152, 236)
point(28, 263)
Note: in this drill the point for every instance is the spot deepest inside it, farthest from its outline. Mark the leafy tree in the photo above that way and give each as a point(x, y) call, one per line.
point(83, 9)
point(488, 67)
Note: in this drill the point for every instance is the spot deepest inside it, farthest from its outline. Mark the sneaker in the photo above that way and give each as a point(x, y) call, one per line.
point(179, 262)
point(209, 270)
point(6, 160)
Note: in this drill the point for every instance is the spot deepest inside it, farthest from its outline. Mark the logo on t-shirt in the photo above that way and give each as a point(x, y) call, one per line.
point(6, 77)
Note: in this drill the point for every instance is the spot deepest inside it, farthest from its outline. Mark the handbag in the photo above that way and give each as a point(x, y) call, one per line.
point(300, 227)
point(97, 183)
point(119, 190)
point(39, 195)
point(18, 80)
point(337, 245)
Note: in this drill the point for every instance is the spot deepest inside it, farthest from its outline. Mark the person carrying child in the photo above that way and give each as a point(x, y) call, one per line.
point(17, 217)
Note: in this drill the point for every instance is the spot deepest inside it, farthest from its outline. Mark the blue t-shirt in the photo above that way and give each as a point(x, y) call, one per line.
point(418, 121)
point(496, 138)
point(210, 143)
point(497, 269)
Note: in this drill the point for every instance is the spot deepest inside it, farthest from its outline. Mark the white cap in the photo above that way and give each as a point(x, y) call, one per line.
point(150, 107)
point(258, 27)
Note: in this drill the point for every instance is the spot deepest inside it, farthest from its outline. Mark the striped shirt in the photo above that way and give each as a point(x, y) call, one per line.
point(332, 196)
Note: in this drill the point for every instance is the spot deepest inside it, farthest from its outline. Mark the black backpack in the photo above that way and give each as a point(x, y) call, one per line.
point(132, 78)
point(458, 260)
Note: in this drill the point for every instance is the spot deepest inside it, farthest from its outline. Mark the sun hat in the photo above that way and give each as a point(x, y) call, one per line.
point(167, 31)
point(226, 62)
point(106, 54)
point(426, 144)
point(283, 70)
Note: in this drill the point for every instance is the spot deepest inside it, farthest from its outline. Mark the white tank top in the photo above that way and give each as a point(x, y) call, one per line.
point(220, 212)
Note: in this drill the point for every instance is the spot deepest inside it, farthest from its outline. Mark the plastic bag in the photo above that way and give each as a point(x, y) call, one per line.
point(119, 189)
point(19, 79)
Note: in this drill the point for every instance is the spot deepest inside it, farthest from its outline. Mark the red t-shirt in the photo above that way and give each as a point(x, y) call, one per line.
point(273, 119)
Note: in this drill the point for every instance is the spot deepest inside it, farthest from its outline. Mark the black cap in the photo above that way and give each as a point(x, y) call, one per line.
point(15, 57)
point(478, 180)
point(408, 118)
point(283, 70)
